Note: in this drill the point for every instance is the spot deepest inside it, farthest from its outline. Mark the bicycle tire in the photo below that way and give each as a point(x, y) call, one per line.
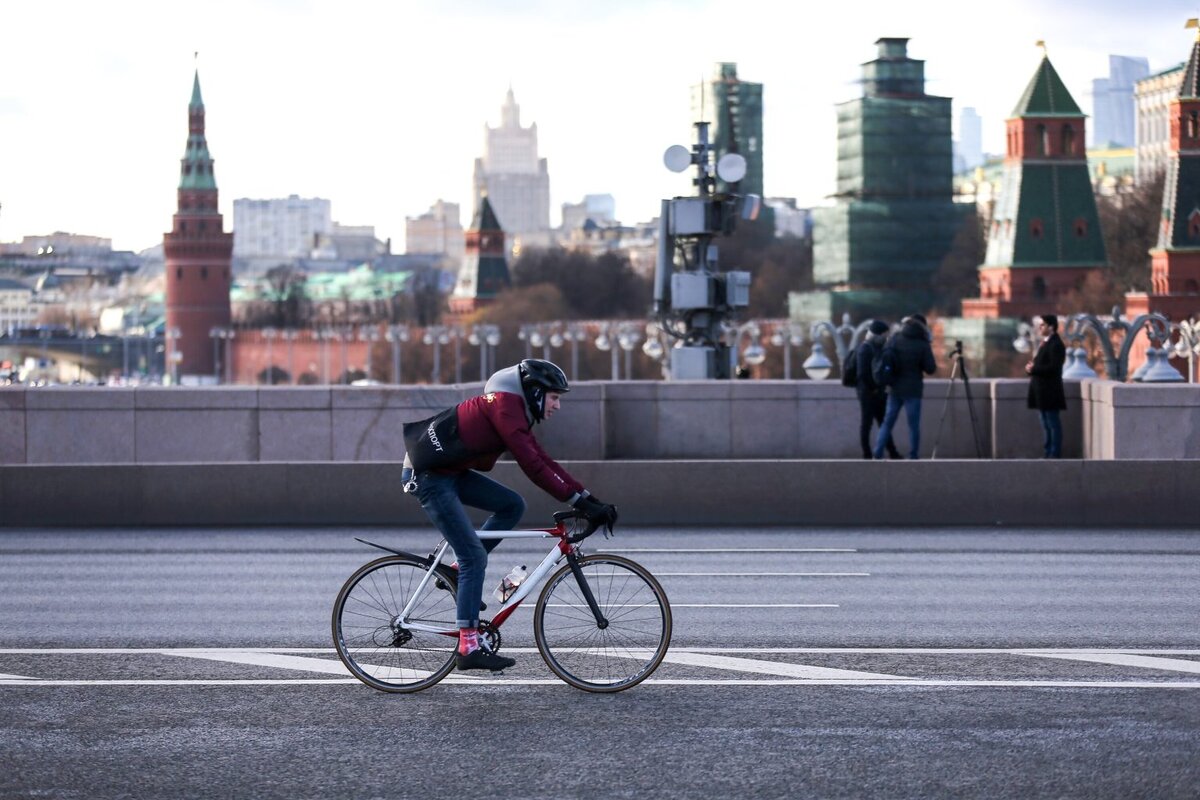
point(619, 656)
point(377, 652)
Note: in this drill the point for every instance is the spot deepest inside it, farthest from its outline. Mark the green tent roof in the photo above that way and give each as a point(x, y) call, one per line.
point(1046, 95)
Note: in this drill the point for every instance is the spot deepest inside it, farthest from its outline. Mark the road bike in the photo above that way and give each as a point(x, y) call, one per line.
point(602, 622)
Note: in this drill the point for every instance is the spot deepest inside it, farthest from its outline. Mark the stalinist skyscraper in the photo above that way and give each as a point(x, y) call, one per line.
point(513, 178)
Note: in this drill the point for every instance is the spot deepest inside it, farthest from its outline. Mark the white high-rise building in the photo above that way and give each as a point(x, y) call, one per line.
point(514, 178)
point(1112, 101)
point(970, 140)
point(1152, 100)
point(285, 228)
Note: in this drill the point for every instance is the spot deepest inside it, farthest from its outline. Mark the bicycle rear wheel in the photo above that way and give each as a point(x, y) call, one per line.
point(621, 654)
point(370, 642)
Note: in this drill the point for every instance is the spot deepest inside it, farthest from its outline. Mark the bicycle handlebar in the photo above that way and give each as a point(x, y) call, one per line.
point(592, 525)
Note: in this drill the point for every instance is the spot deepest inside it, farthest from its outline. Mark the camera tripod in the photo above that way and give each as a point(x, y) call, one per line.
point(959, 370)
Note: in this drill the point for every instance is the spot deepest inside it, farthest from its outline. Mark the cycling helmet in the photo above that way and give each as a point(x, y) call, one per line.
point(537, 378)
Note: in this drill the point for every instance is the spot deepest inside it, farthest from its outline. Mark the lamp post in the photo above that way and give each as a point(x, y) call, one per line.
point(574, 333)
point(370, 335)
point(787, 337)
point(396, 335)
point(289, 336)
point(846, 338)
point(605, 342)
point(269, 335)
point(628, 337)
point(1116, 362)
point(653, 347)
point(754, 353)
point(1187, 345)
point(437, 335)
point(324, 335)
point(173, 336)
point(484, 336)
point(229, 335)
point(215, 334)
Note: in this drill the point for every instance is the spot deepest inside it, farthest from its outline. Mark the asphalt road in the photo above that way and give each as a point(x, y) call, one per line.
point(829, 663)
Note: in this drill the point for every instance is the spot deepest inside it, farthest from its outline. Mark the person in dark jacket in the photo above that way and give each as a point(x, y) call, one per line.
point(872, 399)
point(1046, 385)
point(499, 420)
point(914, 360)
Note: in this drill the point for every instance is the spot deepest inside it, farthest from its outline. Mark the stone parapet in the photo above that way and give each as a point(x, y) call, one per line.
point(599, 421)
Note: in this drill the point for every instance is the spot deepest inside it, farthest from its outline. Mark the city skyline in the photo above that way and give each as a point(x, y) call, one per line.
point(381, 109)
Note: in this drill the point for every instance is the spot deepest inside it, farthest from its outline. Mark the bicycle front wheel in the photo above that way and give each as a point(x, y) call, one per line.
point(617, 653)
point(369, 638)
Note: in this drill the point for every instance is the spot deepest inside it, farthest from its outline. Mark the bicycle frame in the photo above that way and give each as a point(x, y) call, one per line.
point(562, 549)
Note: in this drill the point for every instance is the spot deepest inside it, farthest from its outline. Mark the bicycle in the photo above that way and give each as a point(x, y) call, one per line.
point(602, 623)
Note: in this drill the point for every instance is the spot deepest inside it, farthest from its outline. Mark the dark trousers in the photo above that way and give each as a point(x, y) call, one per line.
point(871, 406)
point(443, 497)
point(1052, 430)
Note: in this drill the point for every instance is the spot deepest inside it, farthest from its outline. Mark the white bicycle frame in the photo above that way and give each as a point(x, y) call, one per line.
point(552, 560)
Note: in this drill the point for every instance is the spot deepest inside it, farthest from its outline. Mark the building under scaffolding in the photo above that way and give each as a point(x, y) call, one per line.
point(877, 250)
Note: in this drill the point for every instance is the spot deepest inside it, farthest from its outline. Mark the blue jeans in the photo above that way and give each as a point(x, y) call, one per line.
point(443, 497)
point(1052, 428)
point(912, 410)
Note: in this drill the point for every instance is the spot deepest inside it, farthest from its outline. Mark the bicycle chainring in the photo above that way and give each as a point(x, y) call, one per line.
point(489, 635)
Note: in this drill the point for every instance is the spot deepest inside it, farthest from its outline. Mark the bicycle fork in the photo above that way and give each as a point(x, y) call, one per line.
point(573, 561)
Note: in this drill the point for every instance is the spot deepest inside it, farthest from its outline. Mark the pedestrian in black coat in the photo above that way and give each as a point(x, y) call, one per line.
point(1046, 393)
point(872, 399)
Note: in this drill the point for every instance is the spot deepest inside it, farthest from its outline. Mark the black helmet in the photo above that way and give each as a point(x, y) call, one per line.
point(537, 378)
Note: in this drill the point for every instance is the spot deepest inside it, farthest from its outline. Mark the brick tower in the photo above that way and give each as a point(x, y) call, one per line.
point(1175, 260)
point(1045, 234)
point(484, 271)
point(197, 253)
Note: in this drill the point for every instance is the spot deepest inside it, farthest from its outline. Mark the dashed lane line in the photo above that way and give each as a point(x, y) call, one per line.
point(777, 668)
point(731, 550)
point(7, 677)
point(759, 682)
point(1126, 660)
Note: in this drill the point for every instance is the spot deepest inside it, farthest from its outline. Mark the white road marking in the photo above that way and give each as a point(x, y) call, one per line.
point(730, 550)
point(754, 605)
point(7, 677)
point(762, 574)
point(35, 651)
point(774, 668)
point(1126, 660)
point(1027, 684)
point(325, 665)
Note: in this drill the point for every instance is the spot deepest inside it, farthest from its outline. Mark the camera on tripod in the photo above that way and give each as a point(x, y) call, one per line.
point(957, 352)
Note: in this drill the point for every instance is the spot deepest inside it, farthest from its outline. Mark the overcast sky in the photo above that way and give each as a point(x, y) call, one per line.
point(381, 107)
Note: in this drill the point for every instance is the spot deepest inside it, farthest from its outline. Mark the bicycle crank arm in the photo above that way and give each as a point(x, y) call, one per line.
point(573, 560)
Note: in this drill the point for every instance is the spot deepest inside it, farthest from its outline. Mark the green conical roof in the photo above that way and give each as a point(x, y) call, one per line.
point(485, 217)
point(1046, 95)
point(1190, 90)
point(196, 169)
point(197, 100)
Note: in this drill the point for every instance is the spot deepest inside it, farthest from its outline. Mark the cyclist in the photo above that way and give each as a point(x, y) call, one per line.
point(475, 434)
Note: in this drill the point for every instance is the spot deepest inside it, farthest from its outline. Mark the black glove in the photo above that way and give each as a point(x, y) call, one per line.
point(596, 512)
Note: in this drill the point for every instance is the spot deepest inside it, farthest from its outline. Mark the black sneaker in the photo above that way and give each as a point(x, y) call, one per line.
point(482, 659)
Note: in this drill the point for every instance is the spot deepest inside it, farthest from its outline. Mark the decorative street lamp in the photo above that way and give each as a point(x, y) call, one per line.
point(1116, 363)
point(485, 337)
point(437, 335)
point(605, 342)
point(269, 335)
point(174, 356)
point(574, 333)
point(628, 337)
point(787, 337)
point(369, 334)
point(845, 337)
point(290, 336)
point(754, 353)
point(1187, 345)
point(397, 335)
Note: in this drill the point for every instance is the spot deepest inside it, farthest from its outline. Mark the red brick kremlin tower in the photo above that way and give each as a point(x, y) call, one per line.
point(484, 271)
point(1045, 233)
point(1175, 260)
point(198, 254)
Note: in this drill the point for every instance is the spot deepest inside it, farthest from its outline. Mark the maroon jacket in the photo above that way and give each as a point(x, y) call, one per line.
point(490, 424)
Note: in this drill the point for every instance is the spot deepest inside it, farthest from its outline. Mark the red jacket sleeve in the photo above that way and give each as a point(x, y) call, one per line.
point(508, 418)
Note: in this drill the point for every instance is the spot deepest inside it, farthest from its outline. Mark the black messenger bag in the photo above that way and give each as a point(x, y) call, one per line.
point(433, 443)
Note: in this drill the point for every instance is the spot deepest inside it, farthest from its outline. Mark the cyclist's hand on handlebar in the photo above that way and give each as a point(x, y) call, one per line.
point(597, 513)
